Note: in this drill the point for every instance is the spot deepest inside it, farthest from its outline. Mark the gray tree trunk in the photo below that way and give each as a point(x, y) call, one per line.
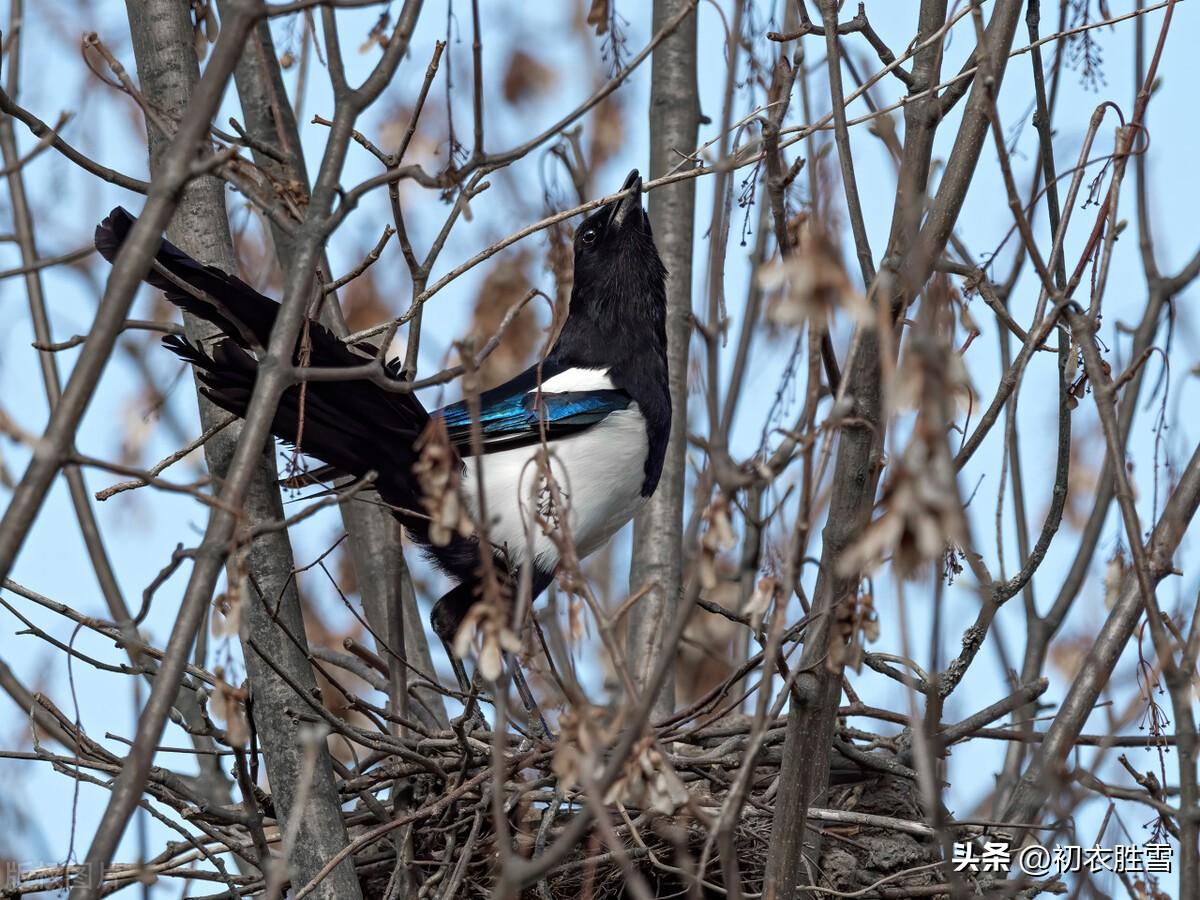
point(657, 551)
point(804, 774)
point(375, 542)
point(163, 46)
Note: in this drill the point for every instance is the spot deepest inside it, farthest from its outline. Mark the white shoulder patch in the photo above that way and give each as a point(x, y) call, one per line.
point(577, 380)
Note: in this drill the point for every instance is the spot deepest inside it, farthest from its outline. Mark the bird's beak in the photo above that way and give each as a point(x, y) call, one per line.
point(630, 202)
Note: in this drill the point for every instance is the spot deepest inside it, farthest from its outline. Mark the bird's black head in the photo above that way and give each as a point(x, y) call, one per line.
point(618, 316)
point(620, 280)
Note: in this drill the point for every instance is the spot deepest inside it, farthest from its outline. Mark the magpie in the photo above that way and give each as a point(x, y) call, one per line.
point(598, 402)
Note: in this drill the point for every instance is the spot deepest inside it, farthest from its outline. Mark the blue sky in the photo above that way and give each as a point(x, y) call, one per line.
point(142, 529)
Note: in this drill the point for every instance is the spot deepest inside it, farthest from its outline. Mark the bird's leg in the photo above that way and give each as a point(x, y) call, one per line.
point(535, 585)
point(470, 688)
point(540, 728)
point(445, 618)
point(460, 671)
point(472, 715)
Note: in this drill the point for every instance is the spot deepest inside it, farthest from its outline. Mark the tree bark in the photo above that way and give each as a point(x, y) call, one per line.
point(657, 530)
point(375, 541)
point(163, 44)
point(804, 772)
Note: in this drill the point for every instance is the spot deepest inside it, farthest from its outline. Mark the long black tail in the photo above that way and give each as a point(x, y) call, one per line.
point(355, 426)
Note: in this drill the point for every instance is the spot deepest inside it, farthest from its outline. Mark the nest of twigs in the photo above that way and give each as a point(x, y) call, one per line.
point(873, 836)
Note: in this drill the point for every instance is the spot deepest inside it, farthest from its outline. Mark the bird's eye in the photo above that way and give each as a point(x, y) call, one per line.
point(588, 237)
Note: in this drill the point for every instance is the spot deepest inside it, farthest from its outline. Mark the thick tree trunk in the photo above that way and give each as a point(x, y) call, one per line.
point(657, 531)
point(804, 775)
point(375, 542)
point(163, 45)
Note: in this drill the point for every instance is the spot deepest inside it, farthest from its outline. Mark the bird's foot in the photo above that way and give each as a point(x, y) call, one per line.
point(537, 722)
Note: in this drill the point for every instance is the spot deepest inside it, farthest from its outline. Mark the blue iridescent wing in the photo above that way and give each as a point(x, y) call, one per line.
point(516, 419)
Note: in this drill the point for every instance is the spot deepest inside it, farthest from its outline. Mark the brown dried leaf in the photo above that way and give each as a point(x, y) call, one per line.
point(526, 78)
point(1081, 477)
point(256, 260)
point(920, 518)
point(648, 782)
point(608, 132)
point(320, 631)
point(426, 141)
point(438, 473)
point(717, 537)
point(856, 624)
point(485, 627)
point(362, 303)
point(227, 614)
point(229, 706)
point(598, 15)
point(1068, 653)
point(378, 35)
point(811, 284)
point(505, 285)
point(205, 27)
point(931, 369)
point(560, 262)
point(584, 729)
point(139, 419)
point(705, 657)
point(1114, 575)
point(347, 577)
point(765, 593)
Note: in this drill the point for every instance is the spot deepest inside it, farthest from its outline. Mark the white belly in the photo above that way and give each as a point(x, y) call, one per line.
point(598, 472)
